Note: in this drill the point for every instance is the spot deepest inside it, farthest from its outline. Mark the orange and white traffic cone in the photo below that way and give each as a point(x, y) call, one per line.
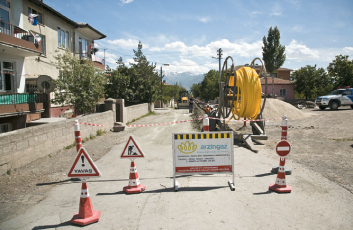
point(86, 214)
point(134, 182)
point(280, 185)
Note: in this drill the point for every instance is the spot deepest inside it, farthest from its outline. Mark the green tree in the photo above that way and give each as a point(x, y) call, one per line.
point(144, 81)
point(341, 70)
point(209, 86)
point(196, 90)
point(273, 52)
point(118, 85)
point(171, 91)
point(79, 83)
point(311, 82)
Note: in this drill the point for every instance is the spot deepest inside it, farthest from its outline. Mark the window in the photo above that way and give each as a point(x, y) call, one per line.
point(5, 127)
point(5, 17)
point(84, 48)
point(39, 17)
point(7, 76)
point(274, 75)
point(282, 92)
point(63, 38)
point(348, 92)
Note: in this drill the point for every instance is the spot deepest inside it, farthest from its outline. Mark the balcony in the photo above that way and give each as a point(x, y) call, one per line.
point(16, 41)
point(96, 61)
point(13, 104)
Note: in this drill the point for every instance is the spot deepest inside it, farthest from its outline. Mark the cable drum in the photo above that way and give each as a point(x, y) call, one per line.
point(249, 91)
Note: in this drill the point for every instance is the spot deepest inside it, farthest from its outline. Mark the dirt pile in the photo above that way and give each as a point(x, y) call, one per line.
point(275, 108)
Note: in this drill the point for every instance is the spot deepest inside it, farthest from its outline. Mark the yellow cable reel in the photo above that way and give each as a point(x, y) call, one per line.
point(248, 95)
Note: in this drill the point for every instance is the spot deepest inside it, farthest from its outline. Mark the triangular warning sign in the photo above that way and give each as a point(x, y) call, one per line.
point(83, 166)
point(131, 149)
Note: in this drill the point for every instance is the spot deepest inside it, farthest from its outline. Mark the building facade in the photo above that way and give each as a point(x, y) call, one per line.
point(31, 35)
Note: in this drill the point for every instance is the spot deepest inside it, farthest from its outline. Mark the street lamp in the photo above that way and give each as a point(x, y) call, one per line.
point(162, 85)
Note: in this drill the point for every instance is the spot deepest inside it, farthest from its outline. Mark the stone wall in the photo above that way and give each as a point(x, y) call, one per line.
point(22, 146)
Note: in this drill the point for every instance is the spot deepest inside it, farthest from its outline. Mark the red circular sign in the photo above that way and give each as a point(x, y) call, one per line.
point(283, 148)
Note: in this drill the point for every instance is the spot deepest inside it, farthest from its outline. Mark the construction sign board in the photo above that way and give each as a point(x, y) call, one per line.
point(131, 149)
point(203, 153)
point(83, 166)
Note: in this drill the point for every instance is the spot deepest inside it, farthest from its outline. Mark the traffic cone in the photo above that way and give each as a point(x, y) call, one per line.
point(134, 182)
point(86, 213)
point(280, 185)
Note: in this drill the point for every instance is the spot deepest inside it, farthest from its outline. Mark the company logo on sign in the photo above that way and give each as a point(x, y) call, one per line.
point(218, 147)
point(187, 147)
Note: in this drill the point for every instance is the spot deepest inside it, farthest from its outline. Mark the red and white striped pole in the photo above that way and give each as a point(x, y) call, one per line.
point(77, 135)
point(284, 134)
point(206, 123)
point(284, 128)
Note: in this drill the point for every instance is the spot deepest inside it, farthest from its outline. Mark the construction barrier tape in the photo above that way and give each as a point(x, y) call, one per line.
point(175, 122)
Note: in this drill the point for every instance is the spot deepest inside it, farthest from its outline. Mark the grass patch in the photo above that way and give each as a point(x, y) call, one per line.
point(85, 140)
point(148, 114)
point(70, 146)
point(343, 139)
point(91, 136)
point(100, 132)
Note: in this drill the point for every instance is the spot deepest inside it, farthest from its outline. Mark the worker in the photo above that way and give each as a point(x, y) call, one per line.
point(191, 104)
point(208, 109)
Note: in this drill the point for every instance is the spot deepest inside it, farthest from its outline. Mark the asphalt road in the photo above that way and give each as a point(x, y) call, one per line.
point(202, 202)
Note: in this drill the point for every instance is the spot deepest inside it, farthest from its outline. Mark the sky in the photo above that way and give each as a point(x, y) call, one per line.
point(186, 34)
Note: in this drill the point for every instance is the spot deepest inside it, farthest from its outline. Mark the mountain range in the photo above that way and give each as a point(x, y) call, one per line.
point(185, 79)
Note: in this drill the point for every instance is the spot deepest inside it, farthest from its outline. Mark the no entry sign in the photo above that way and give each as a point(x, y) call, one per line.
point(283, 148)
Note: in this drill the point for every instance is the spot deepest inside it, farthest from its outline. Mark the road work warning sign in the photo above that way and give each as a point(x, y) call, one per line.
point(132, 149)
point(198, 153)
point(83, 166)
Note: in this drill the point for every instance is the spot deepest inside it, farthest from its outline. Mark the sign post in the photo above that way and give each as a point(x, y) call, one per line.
point(83, 167)
point(203, 153)
point(283, 149)
point(132, 151)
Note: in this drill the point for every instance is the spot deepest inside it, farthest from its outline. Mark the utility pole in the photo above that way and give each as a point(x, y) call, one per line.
point(161, 88)
point(220, 102)
point(104, 58)
point(220, 74)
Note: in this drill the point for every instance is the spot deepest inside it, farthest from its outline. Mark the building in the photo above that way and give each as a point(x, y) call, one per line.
point(283, 86)
point(31, 35)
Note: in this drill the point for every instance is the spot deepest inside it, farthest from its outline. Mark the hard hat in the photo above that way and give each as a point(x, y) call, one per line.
point(208, 105)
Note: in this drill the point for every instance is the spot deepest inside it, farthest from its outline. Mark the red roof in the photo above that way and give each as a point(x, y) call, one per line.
point(277, 81)
point(258, 67)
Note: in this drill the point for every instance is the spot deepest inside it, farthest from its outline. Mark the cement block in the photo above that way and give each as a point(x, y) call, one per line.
point(22, 145)
point(42, 137)
point(58, 133)
point(39, 147)
point(15, 136)
point(4, 139)
point(9, 148)
point(5, 158)
point(48, 144)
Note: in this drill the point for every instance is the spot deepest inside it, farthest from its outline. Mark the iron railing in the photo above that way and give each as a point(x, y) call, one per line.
point(15, 31)
point(22, 98)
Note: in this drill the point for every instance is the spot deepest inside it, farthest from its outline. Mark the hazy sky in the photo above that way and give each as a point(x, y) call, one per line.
point(187, 33)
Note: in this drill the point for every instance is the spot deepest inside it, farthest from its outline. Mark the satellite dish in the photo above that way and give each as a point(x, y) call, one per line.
point(45, 83)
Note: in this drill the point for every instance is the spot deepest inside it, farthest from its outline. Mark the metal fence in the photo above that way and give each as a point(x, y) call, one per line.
point(21, 98)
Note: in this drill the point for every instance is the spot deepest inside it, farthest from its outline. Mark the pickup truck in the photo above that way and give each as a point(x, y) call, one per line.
point(339, 97)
